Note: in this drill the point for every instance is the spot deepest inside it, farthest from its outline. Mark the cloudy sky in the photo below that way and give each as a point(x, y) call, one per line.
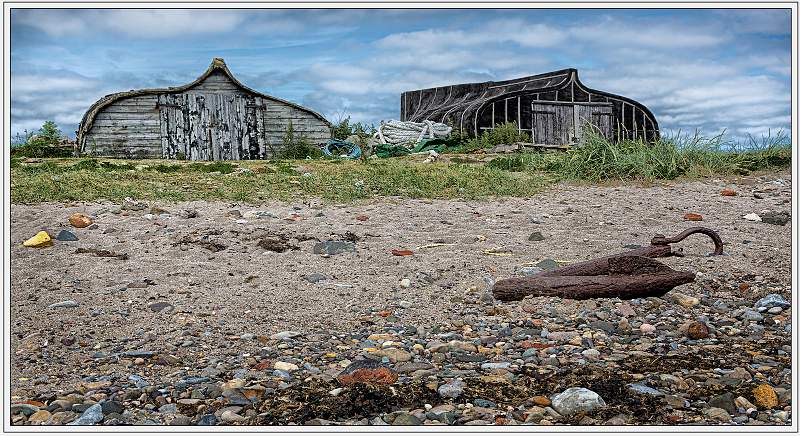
point(711, 70)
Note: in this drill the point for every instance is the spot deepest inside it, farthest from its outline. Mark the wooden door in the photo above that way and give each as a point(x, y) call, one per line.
point(596, 117)
point(174, 118)
point(207, 126)
point(553, 124)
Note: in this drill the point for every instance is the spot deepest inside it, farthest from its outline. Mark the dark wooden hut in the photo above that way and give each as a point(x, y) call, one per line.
point(555, 108)
point(215, 117)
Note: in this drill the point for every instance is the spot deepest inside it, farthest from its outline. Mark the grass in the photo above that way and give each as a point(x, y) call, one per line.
point(521, 175)
point(669, 158)
point(68, 180)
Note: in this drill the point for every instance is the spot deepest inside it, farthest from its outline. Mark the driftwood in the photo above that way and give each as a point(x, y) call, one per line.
point(633, 274)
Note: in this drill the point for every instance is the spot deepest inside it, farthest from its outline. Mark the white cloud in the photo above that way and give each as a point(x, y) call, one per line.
point(692, 72)
point(626, 34)
point(38, 83)
point(142, 23)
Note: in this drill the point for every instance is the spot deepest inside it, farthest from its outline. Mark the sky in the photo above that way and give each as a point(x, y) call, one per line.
point(697, 70)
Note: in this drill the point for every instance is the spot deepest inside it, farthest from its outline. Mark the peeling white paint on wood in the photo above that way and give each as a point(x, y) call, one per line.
point(213, 118)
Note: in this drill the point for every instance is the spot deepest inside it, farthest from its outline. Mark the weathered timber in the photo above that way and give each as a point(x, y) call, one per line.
point(215, 117)
point(554, 108)
point(632, 274)
point(624, 277)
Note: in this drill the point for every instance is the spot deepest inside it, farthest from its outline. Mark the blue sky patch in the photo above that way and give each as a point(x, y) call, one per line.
point(696, 69)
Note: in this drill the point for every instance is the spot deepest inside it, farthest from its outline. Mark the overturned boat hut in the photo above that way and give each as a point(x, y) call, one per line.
point(555, 108)
point(215, 117)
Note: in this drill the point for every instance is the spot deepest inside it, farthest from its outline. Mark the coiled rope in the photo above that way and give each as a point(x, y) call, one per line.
point(408, 132)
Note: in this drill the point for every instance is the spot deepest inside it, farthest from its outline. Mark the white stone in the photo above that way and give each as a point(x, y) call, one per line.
point(574, 400)
point(288, 334)
point(752, 217)
point(285, 366)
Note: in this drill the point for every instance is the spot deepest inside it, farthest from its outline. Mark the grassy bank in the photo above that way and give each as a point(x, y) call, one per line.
point(458, 176)
point(66, 180)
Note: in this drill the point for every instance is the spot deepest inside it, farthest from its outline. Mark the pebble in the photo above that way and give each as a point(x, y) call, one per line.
point(90, 416)
point(405, 283)
point(288, 334)
point(315, 277)
point(547, 264)
point(765, 396)
point(170, 408)
point(536, 237)
point(160, 305)
point(697, 330)
point(647, 328)
point(63, 304)
point(366, 371)
point(530, 270)
point(723, 401)
point(452, 389)
point(333, 247)
point(130, 204)
point(773, 300)
point(26, 409)
point(207, 420)
point(406, 419)
point(685, 300)
point(644, 390)
point(39, 417)
point(231, 417)
point(717, 414)
point(285, 366)
point(576, 399)
point(496, 365)
point(752, 217)
point(66, 236)
point(776, 218)
point(752, 315)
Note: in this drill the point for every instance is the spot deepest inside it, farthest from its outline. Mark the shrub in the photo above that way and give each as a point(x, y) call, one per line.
point(506, 133)
point(44, 143)
point(217, 166)
point(343, 129)
point(297, 147)
point(162, 168)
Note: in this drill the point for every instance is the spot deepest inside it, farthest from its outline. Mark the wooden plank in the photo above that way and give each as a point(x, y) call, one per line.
point(132, 111)
point(130, 116)
point(129, 124)
point(117, 136)
point(165, 145)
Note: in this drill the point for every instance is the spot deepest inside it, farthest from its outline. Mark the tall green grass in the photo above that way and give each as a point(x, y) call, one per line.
point(597, 159)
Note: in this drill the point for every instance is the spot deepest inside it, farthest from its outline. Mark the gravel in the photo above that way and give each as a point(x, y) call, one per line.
point(185, 332)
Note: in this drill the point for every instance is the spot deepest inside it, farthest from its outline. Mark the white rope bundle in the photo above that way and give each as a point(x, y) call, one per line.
point(408, 133)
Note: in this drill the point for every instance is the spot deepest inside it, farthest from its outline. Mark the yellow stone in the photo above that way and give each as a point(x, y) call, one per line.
point(236, 383)
point(40, 417)
point(41, 239)
point(97, 385)
point(765, 396)
point(330, 355)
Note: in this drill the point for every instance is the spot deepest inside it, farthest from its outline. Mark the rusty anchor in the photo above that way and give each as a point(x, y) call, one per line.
point(628, 275)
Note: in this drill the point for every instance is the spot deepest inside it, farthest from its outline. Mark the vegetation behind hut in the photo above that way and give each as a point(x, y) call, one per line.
point(48, 141)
